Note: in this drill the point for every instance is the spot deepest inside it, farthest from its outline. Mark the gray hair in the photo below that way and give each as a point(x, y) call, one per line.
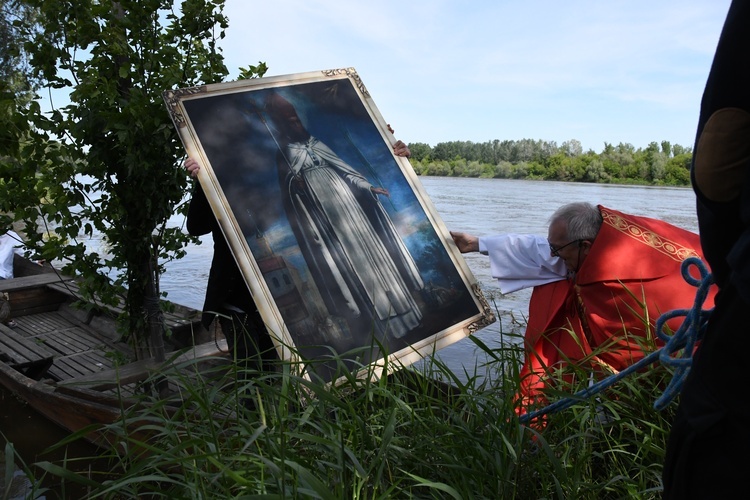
point(583, 220)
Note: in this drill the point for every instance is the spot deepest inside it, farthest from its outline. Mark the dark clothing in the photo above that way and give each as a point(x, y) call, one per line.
point(707, 453)
point(225, 282)
point(227, 294)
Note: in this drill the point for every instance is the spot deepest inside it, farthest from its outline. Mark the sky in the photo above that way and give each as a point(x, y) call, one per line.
point(453, 70)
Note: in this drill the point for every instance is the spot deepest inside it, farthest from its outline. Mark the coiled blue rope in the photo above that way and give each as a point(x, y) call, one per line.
point(691, 330)
point(685, 338)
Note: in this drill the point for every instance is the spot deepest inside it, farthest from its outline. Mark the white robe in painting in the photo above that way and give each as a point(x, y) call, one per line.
point(357, 259)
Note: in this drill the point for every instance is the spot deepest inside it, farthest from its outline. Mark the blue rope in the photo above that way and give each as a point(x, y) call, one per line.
point(684, 338)
point(690, 331)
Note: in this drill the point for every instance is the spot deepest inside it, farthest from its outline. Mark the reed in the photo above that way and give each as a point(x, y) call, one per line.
point(232, 434)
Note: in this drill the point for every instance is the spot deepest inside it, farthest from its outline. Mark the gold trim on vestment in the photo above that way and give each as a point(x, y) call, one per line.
point(660, 244)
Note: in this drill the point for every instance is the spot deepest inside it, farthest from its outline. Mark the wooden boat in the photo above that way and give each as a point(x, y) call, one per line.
point(63, 361)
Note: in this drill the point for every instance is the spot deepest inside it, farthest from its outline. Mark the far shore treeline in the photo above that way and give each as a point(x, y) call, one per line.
point(659, 164)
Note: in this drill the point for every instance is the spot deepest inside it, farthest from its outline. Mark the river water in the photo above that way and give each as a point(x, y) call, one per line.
point(481, 207)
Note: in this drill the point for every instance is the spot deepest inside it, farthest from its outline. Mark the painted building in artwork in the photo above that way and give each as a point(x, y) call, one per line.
point(298, 301)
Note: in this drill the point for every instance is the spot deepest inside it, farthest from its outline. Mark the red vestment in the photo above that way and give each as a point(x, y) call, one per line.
point(631, 276)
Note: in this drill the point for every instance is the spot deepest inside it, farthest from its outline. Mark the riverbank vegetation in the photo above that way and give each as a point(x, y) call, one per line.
point(399, 437)
point(659, 164)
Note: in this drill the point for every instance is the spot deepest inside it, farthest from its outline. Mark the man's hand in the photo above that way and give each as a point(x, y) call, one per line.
point(192, 167)
point(379, 190)
point(401, 149)
point(465, 242)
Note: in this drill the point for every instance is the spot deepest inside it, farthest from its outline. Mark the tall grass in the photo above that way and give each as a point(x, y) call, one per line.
point(230, 434)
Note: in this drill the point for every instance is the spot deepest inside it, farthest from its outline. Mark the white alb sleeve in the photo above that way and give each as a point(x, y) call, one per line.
point(520, 261)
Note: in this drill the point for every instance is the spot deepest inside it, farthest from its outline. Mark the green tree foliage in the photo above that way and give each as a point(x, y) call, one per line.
point(16, 81)
point(15, 74)
point(657, 164)
point(106, 161)
point(677, 170)
point(420, 151)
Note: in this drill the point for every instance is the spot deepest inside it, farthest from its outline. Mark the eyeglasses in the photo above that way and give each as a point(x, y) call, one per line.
point(555, 251)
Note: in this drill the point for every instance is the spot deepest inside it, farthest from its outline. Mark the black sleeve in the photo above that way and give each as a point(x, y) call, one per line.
point(200, 218)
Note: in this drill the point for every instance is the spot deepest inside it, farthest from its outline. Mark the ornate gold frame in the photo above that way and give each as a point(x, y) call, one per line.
point(227, 128)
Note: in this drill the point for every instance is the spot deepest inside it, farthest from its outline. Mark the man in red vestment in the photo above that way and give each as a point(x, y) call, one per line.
point(621, 272)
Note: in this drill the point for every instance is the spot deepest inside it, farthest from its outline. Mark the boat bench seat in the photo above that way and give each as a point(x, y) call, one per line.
point(35, 281)
point(140, 370)
point(24, 354)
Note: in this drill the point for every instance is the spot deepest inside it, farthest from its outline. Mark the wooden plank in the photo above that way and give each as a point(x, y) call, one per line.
point(102, 319)
point(139, 370)
point(119, 399)
point(105, 326)
point(64, 369)
point(24, 354)
point(77, 349)
point(26, 309)
point(181, 321)
point(75, 314)
point(69, 288)
point(15, 347)
point(67, 334)
point(31, 300)
point(25, 282)
point(72, 341)
point(43, 323)
point(95, 361)
point(72, 289)
point(80, 364)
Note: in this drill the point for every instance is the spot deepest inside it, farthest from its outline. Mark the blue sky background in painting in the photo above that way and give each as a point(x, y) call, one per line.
point(241, 142)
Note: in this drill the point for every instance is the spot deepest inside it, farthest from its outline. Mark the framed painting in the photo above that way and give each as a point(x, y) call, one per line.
point(343, 252)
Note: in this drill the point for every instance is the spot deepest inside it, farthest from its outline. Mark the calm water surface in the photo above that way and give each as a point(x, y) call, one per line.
point(482, 207)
